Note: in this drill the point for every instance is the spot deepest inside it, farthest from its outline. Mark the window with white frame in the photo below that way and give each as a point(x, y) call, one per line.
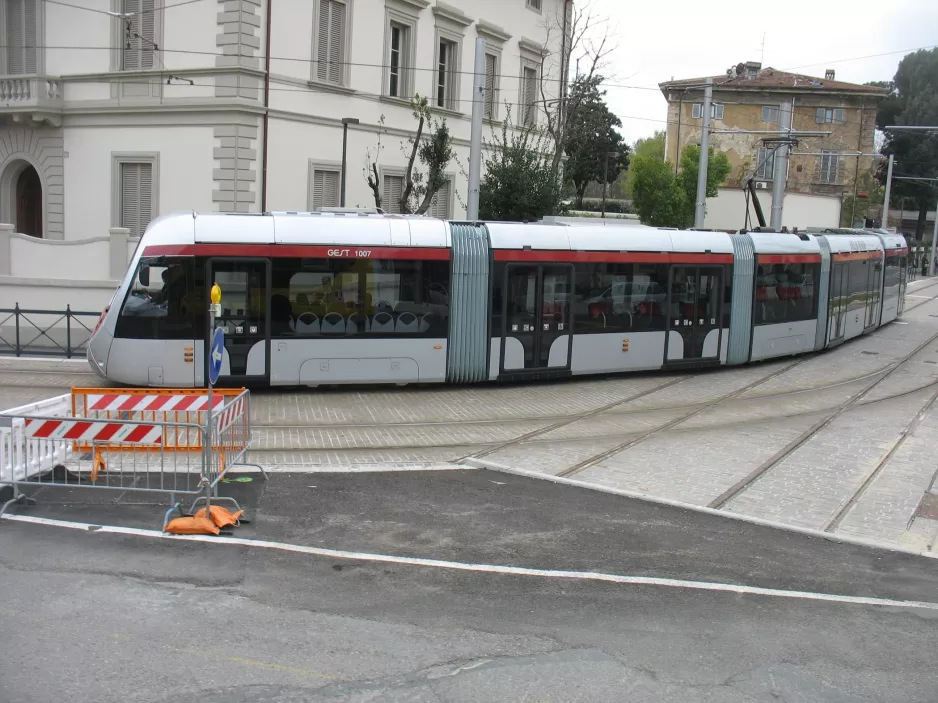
point(393, 189)
point(324, 187)
point(331, 27)
point(446, 76)
point(533, 4)
point(825, 115)
point(829, 164)
point(491, 86)
point(529, 95)
point(440, 204)
point(20, 23)
point(716, 111)
point(135, 208)
point(766, 164)
point(138, 35)
point(770, 113)
point(400, 37)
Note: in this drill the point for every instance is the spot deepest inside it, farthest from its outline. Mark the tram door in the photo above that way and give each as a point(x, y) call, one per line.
point(695, 310)
point(536, 301)
point(903, 282)
point(246, 314)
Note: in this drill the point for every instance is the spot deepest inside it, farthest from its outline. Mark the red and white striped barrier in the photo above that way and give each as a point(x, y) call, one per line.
point(94, 431)
point(233, 411)
point(133, 402)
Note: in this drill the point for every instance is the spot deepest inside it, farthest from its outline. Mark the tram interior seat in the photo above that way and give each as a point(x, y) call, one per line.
point(356, 323)
point(382, 322)
point(307, 323)
point(333, 323)
point(406, 322)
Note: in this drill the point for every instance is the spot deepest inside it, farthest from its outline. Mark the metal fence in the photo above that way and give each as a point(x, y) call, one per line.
point(45, 332)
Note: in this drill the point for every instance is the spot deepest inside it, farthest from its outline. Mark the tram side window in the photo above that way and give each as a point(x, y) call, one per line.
point(359, 297)
point(786, 293)
point(859, 284)
point(893, 277)
point(163, 301)
point(619, 298)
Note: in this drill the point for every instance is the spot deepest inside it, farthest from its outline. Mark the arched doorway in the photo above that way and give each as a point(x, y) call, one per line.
point(28, 199)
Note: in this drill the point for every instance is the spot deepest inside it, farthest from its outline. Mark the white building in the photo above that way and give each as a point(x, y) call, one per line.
point(114, 111)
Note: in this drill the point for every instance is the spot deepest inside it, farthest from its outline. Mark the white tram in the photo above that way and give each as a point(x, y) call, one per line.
point(336, 298)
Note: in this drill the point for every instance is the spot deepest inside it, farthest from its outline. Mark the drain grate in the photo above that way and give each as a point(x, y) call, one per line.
point(928, 507)
point(869, 353)
point(930, 362)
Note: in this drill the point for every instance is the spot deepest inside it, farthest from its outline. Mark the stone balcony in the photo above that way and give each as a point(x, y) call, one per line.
point(32, 99)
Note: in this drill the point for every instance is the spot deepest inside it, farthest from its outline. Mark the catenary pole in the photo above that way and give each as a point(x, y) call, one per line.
point(781, 170)
point(701, 208)
point(885, 222)
point(475, 137)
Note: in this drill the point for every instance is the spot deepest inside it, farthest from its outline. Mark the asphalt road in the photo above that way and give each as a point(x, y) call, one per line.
point(86, 616)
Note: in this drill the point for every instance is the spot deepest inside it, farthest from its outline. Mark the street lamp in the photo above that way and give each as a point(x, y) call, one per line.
point(606, 178)
point(346, 121)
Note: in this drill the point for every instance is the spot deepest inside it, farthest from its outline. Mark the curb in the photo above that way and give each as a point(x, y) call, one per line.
point(857, 541)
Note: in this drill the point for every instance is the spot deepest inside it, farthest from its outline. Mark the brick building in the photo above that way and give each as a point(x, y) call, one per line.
point(748, 97)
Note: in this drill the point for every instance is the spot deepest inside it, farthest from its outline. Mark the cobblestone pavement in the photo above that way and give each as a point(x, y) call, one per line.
point(757, 441)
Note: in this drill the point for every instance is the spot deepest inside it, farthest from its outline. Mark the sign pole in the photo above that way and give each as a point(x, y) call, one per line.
point(215, 354)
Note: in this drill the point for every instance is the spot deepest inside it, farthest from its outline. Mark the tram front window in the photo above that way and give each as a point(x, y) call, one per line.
point(161, 301)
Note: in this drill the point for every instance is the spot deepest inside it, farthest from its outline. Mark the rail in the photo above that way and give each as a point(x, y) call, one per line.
point(42, 332)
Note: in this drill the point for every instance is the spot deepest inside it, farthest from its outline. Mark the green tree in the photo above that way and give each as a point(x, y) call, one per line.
point(434, 149)
point(718, 168)
point(665, 200)
point(653, 147)
point(657, 198)
point(913, 100)
point(591, 136)
point(520, 184)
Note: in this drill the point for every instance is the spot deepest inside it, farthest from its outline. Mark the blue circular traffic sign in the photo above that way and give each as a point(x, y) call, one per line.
point(216, 353)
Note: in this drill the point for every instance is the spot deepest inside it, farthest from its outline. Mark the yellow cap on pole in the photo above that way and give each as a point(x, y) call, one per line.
point(216, 294)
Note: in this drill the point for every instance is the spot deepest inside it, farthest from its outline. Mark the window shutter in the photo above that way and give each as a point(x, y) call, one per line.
point(30, 51)
point(336, 40)
point(393, 190)
point(131, 45)
point(489, 86)
point(839, 116)
point(15, 38)
point(146, 25)
point(331, 40)
point(330, 189)
point(696, 110)
point(318, 177)
point(136, 197)
point(439, 206)
point(530, 94)
point(322, 53)
point(819, 115)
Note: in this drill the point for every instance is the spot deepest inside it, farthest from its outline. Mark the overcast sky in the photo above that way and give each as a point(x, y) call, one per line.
point(661, 39)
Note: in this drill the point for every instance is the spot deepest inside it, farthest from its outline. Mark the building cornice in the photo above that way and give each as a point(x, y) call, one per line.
point(452, 14)
point(490, 30)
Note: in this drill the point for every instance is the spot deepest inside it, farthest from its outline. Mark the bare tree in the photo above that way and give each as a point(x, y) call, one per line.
point(586, 42)
point(433, 149)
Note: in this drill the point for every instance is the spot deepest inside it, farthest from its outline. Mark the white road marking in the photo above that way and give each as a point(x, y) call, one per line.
point(483, 568)
point(350, 468)
point(909, 295)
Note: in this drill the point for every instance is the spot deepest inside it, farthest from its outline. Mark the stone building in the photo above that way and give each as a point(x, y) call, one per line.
point(749, 97)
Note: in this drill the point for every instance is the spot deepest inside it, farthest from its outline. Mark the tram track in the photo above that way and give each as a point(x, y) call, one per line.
point(737, 489)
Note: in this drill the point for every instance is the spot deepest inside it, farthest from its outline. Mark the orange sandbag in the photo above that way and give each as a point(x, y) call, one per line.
point(220, 516)
point(192, 526)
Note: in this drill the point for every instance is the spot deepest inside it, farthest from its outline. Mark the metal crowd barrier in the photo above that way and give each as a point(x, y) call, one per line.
point(140, 440)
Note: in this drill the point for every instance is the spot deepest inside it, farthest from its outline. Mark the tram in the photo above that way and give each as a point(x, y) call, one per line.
point(311, 299)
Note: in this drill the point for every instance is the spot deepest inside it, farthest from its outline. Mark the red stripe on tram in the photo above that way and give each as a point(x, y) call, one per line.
point(640, 257)
point(303, 251)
